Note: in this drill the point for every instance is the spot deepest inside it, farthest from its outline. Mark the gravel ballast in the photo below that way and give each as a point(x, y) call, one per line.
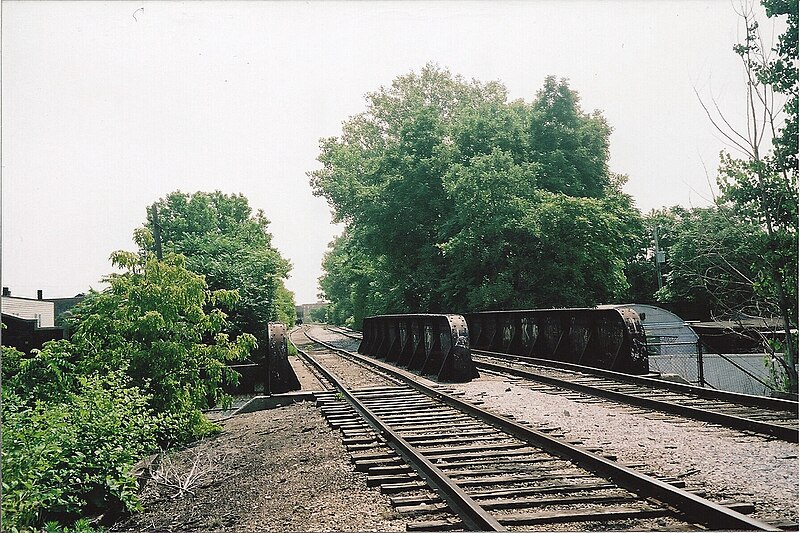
point(725, 463)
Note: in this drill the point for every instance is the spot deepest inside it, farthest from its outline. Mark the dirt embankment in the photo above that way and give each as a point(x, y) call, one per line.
point(275, 470)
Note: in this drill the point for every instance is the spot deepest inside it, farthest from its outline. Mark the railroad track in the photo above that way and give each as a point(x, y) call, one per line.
point(452, 465)
point(771, 417)
point(352, 334)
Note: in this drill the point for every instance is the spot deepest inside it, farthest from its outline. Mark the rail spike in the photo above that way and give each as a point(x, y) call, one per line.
point(433, 345)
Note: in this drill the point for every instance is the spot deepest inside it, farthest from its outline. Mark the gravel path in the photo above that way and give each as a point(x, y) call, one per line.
point(351, 374)
point(325, 335)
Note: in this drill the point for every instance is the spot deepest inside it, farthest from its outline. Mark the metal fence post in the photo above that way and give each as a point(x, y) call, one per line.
point(700, 378)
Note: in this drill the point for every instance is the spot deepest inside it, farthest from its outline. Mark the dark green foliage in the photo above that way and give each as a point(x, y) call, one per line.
point(147, 354)
point(71, 454)
point(456, 199)
point(351, 283)
point(152, 324)
point(572, 148)
point(711, 257)
point(521, 246)
point(318, 315)
point(46, 374)
point(284, 306)
point(226, 242)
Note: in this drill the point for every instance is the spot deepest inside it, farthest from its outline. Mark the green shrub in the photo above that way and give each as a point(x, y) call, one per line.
point(146, 355)
point(12, 358)
point(33, 447)
point(158, 323)
point(47, 374)
point(72, 457)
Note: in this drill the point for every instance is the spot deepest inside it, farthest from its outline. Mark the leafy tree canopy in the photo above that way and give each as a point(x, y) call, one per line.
point(158, 322)
point(355, 283)
point(713, 256)
point(456, 199)
point(225, 241)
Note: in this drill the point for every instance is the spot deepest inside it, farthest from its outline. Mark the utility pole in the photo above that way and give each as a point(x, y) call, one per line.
point(659, 257)
point(156, 231)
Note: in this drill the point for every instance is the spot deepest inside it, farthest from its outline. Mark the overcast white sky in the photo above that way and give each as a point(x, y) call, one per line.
point(108, 106)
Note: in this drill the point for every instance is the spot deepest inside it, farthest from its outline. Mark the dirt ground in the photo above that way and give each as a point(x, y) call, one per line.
point(274, 470)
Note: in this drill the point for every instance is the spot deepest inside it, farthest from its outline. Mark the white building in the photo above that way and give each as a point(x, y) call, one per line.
point(42, 311)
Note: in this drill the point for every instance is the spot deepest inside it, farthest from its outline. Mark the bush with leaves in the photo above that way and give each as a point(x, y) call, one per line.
point(71, 455)
point(152, 324)
point(147, 354)
point(225, 241)
point(47, 374)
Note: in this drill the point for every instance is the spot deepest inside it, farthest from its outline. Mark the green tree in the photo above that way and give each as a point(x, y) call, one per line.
point(154, 324)
point(571, 146)
point(715, 259)
point(761, 183)
point(780, 72)
point(522, 246)
point(711, 256)
point(319, 315)
point(383, 177)
point(354, 282)
point(455, 199)
point(284, 306)
point(230, 245)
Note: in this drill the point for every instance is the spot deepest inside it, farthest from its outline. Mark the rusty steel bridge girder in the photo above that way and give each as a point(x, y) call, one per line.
point(430, 344)
point(273, 373)
point(280, 374)
point(611, 339)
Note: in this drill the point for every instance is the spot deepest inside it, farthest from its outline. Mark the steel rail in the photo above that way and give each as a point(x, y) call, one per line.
point(698, 509)
point(355, 335)
point(775, 404)
point(750, 400)
point(475, 517)
point(778, 431)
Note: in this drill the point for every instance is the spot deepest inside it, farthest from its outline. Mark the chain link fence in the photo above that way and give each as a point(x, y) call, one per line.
point(675, 347)
point(692, 361)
